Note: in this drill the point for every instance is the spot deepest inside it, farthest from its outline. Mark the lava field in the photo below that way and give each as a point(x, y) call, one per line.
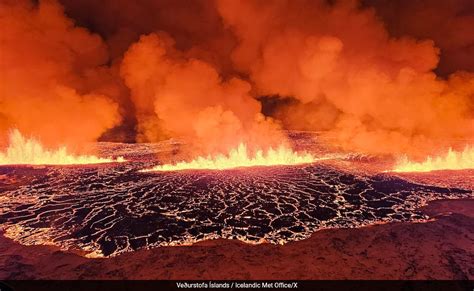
point(104, 210)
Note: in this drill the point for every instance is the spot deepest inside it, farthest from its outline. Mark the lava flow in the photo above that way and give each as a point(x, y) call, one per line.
point(240, 157)
point(452, 160)
point(23, 151)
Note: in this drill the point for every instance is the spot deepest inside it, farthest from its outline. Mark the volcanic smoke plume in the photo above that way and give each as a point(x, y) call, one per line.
point(76, 71)
point(372, 92)
point(179, 96)
point(48, 68)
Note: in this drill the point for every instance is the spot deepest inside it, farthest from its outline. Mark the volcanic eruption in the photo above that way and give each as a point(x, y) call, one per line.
point(261, 121)
point(363, 89)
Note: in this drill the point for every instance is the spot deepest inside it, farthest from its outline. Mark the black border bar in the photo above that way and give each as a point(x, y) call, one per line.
point(284, 285)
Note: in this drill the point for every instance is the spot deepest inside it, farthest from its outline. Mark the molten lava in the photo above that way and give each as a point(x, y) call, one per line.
point(452, 160)
point(240, 157)
point(23, 151)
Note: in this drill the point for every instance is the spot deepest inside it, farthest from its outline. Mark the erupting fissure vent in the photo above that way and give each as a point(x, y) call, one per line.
point(23, 151)
point(240, 157)
point(452, 160)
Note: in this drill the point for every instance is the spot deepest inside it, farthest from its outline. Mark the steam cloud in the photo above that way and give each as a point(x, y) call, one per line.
point(197, 70)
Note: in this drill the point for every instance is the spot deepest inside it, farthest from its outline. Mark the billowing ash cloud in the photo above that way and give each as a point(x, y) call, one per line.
point(370, 91)
point(448, 23)
point(179, 96)
point(52, 82)
point(197, 70)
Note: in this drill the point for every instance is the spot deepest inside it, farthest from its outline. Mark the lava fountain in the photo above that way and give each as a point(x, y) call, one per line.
point(452, 160)
point(29, 151)
point(240, 157)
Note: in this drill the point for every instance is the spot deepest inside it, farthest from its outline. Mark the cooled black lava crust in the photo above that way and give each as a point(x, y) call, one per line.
point(111, 209)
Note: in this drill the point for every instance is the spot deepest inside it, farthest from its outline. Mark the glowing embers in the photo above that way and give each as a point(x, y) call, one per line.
point(23, 151)
point(452, 160)
point(240, 157)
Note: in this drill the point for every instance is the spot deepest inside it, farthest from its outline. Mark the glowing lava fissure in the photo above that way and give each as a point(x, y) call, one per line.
point(452, 160)
point(29, 151)
point(240, 157)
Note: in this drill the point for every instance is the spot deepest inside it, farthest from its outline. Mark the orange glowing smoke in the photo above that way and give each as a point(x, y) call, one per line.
point(240, 157)
point(53, 82)
point(186, 97)
point(452, 160)
point(347, 76)
point(30, 151)
point(202, 72)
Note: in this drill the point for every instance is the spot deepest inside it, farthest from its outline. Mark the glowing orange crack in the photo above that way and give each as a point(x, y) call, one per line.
point(23, 151)
point(239, 157)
